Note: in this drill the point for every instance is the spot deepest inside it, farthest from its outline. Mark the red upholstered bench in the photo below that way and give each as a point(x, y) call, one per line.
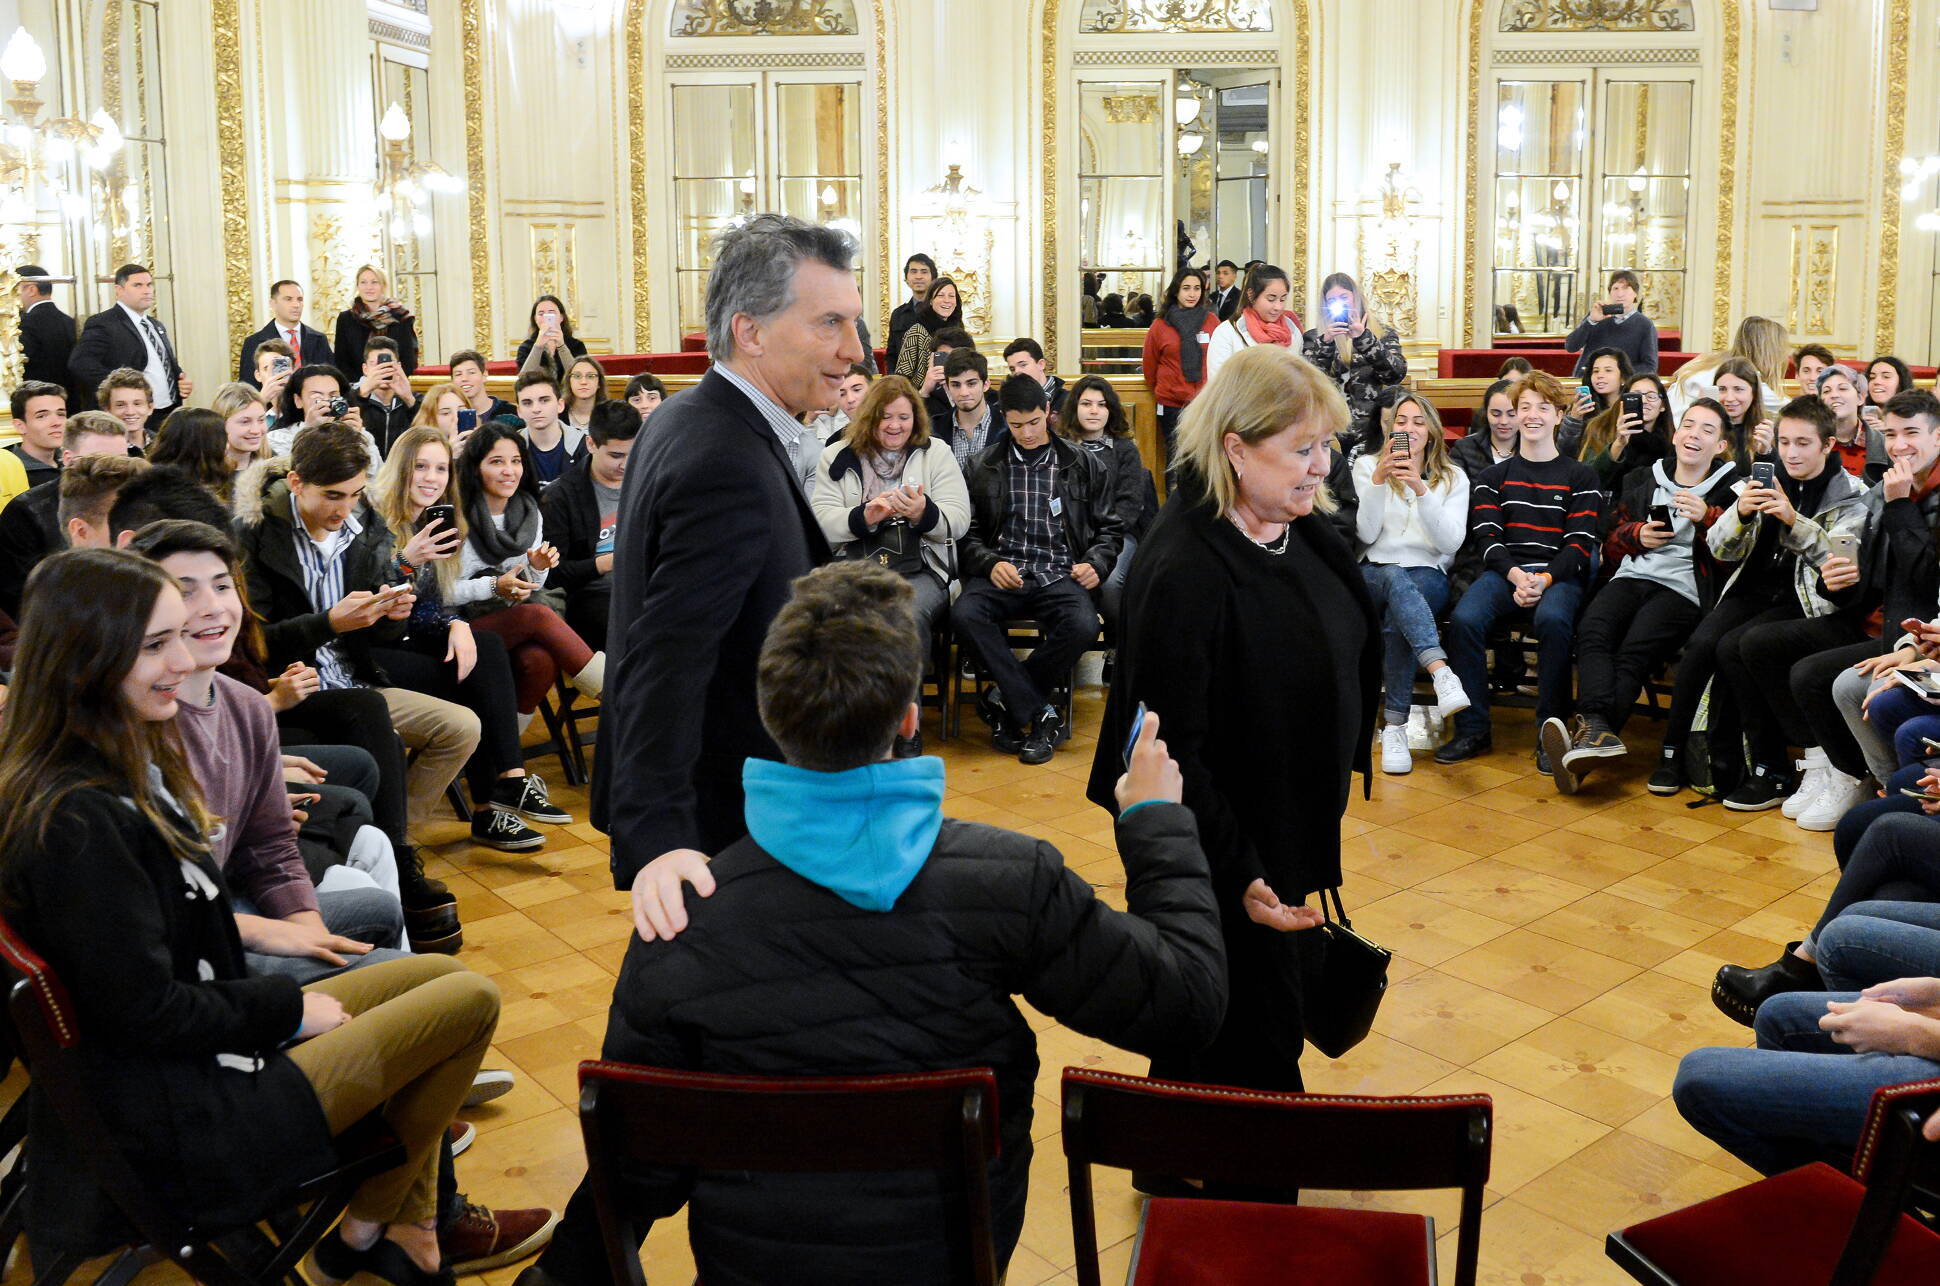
point(1191, 1242)
point(491, 368)
point(1484, 363)
point(1666, 340)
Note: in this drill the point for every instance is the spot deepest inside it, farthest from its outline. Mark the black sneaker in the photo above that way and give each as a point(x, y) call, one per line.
point(1669, 777)
point(1465, 745)
point(1552, 755)
point(1763, 789)
point(1593, 739)
point(500, 828)
point(1050, 717)
point(535, 802)
point(1004, 734)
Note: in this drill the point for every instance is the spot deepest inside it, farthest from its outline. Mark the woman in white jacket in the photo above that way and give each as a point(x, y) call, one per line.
point(1264, 317)
point(1412, 520)
point(888, 492)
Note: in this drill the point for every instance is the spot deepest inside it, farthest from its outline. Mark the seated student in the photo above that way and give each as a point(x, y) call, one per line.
point(947, 919)
point(888, 492)
point(1808, 361)
point(244, 412)
point(89, 758)
point(929, 381)
point(1617, 322)
point(228, 734)
point(468, 377)
point(1493, 434)
point(1095, 420)
point(1513, 368)
point(1861, 449)
point(1665, 580)
point(440, 655)
point(32, 526)
point(39, 417)
point(1025, 356)
point(194, 440)
point(384, 395)
point(1411, 520)
point(971, 420)
point(1886, 378)
point(1801, 1095)
point(319, 573)
point(1779, 539)
point(319, 395)
point(1761, 341)
point(830, 424)
point(274, 365)
point(554, 445)
point(644, 393)
point(582, 511)
point(1741, 392)
point(1534, 519)
point(1616, 443)
point(584, 389)
point(1609, 374)
point(126, 395)
point(1043, 536)
point(1896, 559)
point(504, 564)
point(942, 311)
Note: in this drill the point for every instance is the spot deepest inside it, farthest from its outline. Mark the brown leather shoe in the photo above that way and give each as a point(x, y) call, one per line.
point(480, 1239)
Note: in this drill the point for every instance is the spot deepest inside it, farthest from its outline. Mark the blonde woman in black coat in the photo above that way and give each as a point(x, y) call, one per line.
point(1248, 628)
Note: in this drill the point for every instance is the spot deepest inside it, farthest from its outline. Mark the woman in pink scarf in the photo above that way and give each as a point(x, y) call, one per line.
point(1263, 318)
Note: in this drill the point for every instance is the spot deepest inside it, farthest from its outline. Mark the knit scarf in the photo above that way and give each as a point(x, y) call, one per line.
point(383, 316)
point(520, 533)
point(1192, 354)
point(1265, 332)
point(883, 472)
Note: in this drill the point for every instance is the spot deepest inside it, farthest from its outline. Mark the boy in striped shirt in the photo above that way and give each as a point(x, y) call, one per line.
point(1533, 518)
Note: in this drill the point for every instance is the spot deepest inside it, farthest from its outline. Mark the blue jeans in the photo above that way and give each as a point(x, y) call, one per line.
point(368, 915)
point(1873, 942)
point(1859, 818)
point(1903, 718)
point(1491, 599)
point(1407, 600)
point(1797, 1097)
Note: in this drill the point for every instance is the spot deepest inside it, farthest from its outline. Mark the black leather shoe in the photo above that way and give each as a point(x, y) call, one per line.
point(1738, 992)
point(1466, 746)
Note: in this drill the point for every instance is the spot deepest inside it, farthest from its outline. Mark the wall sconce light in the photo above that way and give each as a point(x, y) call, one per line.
point(1189, 144)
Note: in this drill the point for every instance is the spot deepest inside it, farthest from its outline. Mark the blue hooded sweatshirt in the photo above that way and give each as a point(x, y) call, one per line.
point(862, 834)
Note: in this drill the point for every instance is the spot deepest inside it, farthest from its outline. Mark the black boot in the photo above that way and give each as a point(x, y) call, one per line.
point(1737, 991)
point(430, 911)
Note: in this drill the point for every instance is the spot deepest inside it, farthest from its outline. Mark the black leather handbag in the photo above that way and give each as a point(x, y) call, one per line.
point(1344, 993)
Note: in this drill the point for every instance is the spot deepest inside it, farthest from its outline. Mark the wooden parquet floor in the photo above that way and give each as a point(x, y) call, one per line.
point(1553, 952)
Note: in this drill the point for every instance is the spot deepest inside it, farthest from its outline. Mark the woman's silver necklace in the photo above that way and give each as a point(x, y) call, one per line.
point(1272, 547)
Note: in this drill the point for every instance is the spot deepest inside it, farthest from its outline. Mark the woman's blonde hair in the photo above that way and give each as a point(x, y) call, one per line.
point(233, 397)
point(1436, 467)
point(391, 496)
point(1763, 342)
point(375, 271)
point(1259, 393)
point(427, 416)
point(861, 433)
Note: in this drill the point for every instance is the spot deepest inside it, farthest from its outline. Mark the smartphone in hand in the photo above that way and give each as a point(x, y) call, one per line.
point(1662, 515)
point(1138, 726)
point(1763, 472)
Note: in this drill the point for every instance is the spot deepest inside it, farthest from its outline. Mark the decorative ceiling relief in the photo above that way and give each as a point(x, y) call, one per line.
point(1597, 15)
point(764, 18)
point(1115, 16)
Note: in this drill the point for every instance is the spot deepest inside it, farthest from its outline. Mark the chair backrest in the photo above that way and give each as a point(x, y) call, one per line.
point(939, 1121)
point(1892, 1160)
point(50, 1037)
point(1277, 1140)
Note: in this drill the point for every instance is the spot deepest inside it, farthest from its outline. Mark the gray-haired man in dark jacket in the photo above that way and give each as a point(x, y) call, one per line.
point(856, 931)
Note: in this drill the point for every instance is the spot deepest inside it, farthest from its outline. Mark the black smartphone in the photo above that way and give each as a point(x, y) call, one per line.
point(1763, 472)
point(338, 407)
point(446, 514)
point(937, 359)
point(1661, 515)
point(467, 420)
point(1633, 405)
point(1138, 726)
point(386, 357)
point(1403, 444)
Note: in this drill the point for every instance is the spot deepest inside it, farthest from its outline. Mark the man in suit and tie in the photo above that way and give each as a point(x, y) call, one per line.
point(46, 333)
point(286, 324)
point(1225, 299)
point(714, 528)
point(129, 335)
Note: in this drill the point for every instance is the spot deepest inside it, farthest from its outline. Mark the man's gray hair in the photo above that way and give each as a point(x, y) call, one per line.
point(754, 270)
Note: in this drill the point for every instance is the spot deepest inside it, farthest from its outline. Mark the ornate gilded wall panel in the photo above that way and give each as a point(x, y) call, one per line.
point(1119, 16)
point(226, 16)
point(763, 18)
point(1597, 15)
point(472, 22)
point(1886, 310)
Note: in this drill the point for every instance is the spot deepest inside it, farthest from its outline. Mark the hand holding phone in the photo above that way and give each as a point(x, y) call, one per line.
point(1138, 727)
point(1151, 776)
point(1661, 515)
point(1763, 473)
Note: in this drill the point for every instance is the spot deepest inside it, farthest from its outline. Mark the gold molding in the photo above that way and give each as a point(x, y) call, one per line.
point(472, 21)
point(1727, 177)
point(1886, 307)
point(636, 90)
point(1472, 232)
point(885, 291)
point(1048, 141)
point(226, 19)
point(1302, 147)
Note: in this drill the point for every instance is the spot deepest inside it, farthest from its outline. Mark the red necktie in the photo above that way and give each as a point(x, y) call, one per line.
point(294, 350)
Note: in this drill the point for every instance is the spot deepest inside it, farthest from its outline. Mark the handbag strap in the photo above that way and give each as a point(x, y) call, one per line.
point(1340, 912)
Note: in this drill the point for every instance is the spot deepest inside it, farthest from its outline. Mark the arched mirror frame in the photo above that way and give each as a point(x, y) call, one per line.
point(1288, 49)
point(1711, 52)
point(646, 23)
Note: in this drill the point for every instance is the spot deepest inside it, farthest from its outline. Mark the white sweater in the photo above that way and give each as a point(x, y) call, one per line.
point(477, 579)
point(1230, 337)
point(1411, 530)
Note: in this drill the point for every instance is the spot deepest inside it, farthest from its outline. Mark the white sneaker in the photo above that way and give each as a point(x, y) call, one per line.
point(1395, 758)
point(1450, 699)
point(1417, 726)
point(1811, 782)
point(1837, 794)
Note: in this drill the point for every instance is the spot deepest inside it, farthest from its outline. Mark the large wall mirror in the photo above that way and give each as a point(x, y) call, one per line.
point(1175, 169)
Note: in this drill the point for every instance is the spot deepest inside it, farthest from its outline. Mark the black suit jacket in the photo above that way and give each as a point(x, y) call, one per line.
point(1226, 303)
point(30, 530)
point(713, 529)
point(315, 351)
point(109, 342)
point(46, 338)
